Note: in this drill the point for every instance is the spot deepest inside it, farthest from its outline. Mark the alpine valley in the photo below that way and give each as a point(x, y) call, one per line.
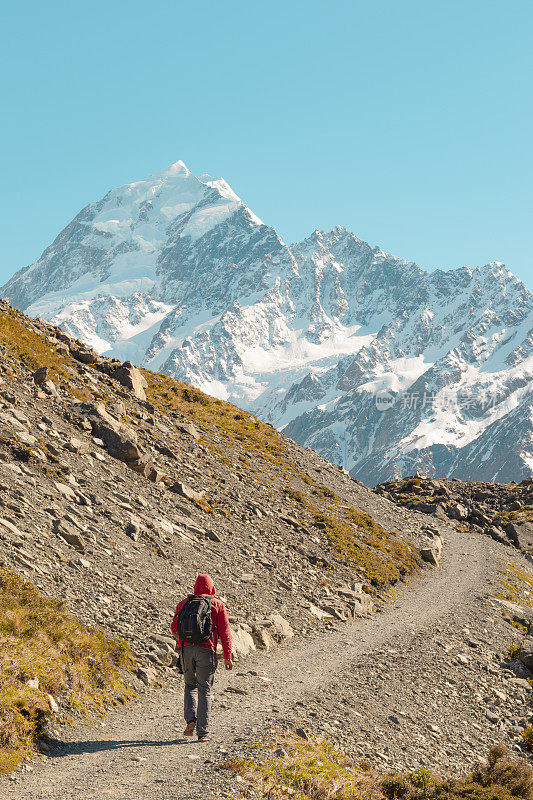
point(366, 358)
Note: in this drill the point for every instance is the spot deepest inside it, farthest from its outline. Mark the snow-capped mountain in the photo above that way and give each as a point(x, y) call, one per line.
point(360, 355)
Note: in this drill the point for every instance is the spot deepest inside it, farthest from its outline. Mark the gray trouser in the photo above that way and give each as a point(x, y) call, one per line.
point(199, 665)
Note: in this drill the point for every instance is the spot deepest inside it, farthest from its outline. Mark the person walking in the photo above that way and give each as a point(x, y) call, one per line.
point(200, 621)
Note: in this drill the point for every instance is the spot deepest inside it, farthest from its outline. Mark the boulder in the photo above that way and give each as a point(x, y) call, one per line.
point(526, 652)
point(430, 555)
point(361, 604)
point(67, 491)
point(155, 475)
point(77, 445)
point(280, 628)
point(521, 534)
point(133, 530)
point(70, 536)
point(132, 378)
point(430, 508)
point(85, 355)
point(317, 612)
point(119, 439)
point(40, 375)
point(262, 638)
point(186, 491)
point(147, 675)
point(213, 535)
point(457, 511)
point(189, 428)
point(242, 642)
point(54, 708)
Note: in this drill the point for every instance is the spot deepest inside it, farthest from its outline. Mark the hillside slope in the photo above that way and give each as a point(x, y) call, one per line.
point(361, 355)
point(117, 488)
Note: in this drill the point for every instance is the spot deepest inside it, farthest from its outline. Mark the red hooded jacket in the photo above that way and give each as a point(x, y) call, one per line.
point(219, 616)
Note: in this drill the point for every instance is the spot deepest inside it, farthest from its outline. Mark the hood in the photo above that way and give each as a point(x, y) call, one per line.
point(204, 585)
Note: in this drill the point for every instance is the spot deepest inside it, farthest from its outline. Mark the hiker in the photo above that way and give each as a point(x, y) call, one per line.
point(200, 620)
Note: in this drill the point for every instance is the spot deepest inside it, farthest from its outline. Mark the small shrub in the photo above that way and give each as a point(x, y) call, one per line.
point(527, 736)
point(315, 770)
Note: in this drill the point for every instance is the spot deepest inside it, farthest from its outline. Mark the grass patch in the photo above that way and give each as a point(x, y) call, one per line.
point(358, 539)
point(34, 351)
point(236, 427)
point(516, 585)
point(40, 639)
point(315, 770)
point(527, 737)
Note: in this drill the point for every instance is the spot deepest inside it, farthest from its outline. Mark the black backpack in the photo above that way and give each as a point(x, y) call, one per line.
point(193, 621)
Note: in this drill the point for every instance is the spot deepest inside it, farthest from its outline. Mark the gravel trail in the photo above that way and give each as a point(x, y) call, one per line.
point(138, 753)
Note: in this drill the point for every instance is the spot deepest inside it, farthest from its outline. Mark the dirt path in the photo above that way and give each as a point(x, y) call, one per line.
point(137, 753)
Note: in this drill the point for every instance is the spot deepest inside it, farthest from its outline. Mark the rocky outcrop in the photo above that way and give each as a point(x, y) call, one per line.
point(502, 511)
point(132, 378)
point(120, 440)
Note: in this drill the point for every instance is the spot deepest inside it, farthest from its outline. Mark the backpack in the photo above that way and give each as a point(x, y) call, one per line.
point(193, 621)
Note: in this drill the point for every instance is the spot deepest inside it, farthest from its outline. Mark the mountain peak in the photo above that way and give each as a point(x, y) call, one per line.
point(176, 273)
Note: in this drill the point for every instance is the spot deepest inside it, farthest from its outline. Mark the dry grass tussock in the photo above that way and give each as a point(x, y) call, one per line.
point(34, 351)
point(40, 639)
point(315, 770)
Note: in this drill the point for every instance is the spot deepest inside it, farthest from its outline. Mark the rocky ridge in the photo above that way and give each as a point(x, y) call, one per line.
point(502, 511)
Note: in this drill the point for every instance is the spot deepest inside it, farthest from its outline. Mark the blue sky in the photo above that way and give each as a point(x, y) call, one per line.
point(408, 122)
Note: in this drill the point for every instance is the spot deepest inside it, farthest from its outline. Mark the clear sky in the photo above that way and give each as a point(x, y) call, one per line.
point(410, 123)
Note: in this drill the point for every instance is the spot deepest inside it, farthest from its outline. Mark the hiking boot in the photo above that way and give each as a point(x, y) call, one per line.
point(206, 738)
point(189, 729)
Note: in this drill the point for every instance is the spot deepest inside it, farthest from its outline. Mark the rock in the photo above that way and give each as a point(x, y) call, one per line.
point(155, 475)
point(70, 536)
point(457, 511)
point(526, 652)
point(430, 555)
point(85, 355)
point(133, 530)
point(361, 604)
point(6, 525)
point(262, 638)
point(302, 733)
point(522, 534)
point(132, 378)
point(242, 642)
point(213, 535)
point(336, 610)
point(50, 388)
point(521, 683)
point(492, 717)
point(77, 445)
point(189, 428)
point(40, 375)
point(119, 439)
point(317, 612)
point(33, 683)
point(294, 523)
point(67, 491)
point(147, 675)
point(280, 628)
point(25, 438)
point(522, 614)
point(186, 491)
point(54, 708)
